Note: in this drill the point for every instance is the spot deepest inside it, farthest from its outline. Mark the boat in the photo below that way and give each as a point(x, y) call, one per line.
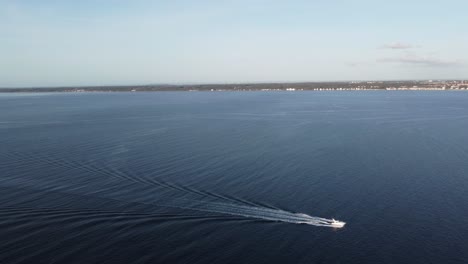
point(336, 223)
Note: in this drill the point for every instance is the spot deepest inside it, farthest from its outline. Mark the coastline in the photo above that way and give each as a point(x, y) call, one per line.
point(290, 87)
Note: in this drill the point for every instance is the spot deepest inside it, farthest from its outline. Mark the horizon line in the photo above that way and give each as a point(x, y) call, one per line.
point(232, 83)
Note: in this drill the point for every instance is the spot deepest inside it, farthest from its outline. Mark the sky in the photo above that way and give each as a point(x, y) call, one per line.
point(117, 42)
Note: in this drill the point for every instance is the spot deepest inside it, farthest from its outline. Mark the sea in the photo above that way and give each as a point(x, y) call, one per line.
point(234, 177)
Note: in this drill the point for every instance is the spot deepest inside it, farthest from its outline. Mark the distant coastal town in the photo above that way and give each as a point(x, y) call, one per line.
point(430, 85)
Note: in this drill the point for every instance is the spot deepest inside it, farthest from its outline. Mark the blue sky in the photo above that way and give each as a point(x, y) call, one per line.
point(61, 43)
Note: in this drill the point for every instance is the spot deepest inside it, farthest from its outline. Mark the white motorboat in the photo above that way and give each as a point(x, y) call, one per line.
point(337, 224)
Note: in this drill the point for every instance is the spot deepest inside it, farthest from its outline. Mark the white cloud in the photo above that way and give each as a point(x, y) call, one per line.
point(421, 60)
point(399, 46)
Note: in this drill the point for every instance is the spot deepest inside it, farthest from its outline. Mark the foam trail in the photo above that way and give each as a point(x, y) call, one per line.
point(252, 212)
point(142, 197)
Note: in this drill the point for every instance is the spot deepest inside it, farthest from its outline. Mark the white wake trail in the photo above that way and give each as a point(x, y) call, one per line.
point(263, 213)
point(242, 210)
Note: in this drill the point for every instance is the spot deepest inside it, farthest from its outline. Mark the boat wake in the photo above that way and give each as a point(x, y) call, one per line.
point(263, 213)
point(202, 201)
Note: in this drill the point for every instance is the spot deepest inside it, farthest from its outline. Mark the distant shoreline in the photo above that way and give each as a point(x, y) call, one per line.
point(306, 86)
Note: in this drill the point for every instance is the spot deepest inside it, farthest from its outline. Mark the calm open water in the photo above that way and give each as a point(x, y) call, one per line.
point(218, 177)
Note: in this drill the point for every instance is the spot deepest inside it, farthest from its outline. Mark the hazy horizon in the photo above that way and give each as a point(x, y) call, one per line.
point(229, 83)
point(68, 43)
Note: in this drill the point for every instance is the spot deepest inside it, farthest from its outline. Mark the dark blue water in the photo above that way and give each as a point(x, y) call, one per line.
point(218, 177)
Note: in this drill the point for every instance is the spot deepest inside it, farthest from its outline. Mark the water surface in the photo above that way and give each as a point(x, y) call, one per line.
point(183, 177)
